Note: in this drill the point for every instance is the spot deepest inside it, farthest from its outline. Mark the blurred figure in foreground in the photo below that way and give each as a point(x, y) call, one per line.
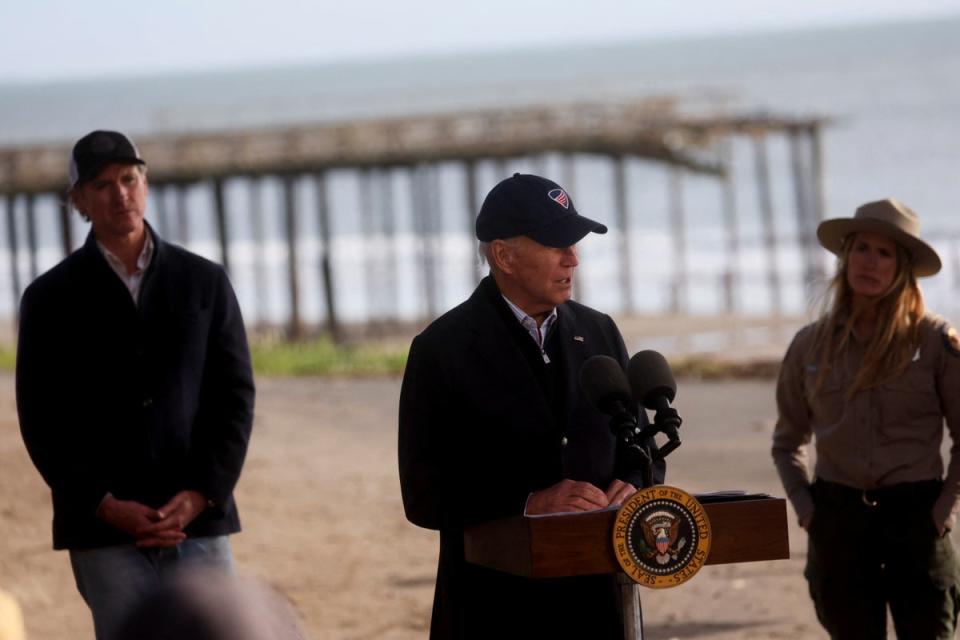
point(212, 605)
point(871, 382)
point(11, 620)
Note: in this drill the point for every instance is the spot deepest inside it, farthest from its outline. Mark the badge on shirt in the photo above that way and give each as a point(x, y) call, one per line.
point(951, 340)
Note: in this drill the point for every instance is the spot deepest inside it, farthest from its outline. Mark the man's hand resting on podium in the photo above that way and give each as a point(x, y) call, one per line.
point(571, 495)
point(618, 491)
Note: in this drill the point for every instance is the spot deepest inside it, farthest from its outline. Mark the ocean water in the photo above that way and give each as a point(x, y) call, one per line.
point(893, 91)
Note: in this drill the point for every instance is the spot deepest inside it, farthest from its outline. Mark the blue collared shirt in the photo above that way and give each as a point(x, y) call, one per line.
point(538, 333)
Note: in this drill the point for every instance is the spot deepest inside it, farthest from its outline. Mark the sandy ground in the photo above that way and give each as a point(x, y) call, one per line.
point(323, 520)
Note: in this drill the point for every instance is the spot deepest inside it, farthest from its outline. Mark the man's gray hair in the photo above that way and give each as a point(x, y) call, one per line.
point(483, 253)
point(483, 250)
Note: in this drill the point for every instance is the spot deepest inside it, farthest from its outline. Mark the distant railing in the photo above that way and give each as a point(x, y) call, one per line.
point(408, 174)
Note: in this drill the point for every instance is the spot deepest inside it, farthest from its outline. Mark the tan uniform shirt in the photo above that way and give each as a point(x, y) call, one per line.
point(884, 435)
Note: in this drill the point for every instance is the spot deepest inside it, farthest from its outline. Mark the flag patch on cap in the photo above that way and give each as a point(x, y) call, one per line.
point(560, 197)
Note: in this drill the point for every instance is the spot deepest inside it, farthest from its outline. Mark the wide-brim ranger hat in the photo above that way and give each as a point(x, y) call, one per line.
point(528, 205)
point(96, 150)
point(887, 217)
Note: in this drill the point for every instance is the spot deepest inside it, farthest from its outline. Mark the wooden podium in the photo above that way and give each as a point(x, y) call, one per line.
point(745, 529)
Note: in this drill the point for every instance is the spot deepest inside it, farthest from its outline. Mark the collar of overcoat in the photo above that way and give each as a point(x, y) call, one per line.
point(493, 343)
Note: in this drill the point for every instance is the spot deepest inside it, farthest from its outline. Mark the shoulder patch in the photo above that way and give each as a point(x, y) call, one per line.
point(951, 340)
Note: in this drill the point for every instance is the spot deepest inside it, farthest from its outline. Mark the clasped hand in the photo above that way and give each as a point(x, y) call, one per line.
point(161, 527)
point(571, 495)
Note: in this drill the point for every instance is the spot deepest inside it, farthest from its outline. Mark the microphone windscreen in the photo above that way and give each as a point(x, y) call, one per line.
point(604, 383)
point(650, 377)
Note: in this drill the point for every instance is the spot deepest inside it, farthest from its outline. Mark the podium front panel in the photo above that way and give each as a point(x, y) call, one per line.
point(582, 544)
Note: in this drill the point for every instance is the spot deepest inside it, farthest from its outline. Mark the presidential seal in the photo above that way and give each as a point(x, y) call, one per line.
point(661, 536)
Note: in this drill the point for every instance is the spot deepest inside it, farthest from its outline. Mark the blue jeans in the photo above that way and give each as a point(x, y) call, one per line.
point(112, 580)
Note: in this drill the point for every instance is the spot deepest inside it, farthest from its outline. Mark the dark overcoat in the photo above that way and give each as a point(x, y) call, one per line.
point(478, 435)
point(140, 401)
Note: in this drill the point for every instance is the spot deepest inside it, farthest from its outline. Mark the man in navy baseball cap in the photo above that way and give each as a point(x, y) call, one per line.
point(535, 207)
point(493, 422)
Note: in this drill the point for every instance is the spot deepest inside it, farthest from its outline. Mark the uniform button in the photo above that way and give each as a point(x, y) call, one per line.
point(147, 402)
point(563, 441)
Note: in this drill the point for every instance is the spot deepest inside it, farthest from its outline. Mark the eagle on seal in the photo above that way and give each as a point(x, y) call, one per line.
point(660, 531)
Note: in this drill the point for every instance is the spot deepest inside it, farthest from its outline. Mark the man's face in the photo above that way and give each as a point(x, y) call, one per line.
point(537, 278)
point(115, 201)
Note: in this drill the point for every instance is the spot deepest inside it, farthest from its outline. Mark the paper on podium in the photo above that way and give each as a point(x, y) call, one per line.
point(728, 495)
point(613, 507)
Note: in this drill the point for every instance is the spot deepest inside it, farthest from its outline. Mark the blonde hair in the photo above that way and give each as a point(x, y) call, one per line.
point(899, 312)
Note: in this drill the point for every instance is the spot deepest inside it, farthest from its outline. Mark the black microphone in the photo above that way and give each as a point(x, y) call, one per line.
point(651, 380)
point(653, 386)
point(605, 385)
point(607, 389)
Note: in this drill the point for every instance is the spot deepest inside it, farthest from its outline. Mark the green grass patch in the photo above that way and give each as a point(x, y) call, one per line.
point(705, 368)
point(321, 357)
point(8, 357)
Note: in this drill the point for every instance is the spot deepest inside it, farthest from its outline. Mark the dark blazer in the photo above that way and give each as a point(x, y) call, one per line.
point(138, 401)
point(477, 437)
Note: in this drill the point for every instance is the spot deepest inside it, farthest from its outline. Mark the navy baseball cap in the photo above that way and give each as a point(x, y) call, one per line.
point(528, 205)
point(98, 149)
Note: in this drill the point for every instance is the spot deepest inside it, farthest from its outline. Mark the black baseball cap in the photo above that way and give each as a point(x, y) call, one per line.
point(528, 205)
point(98, 149)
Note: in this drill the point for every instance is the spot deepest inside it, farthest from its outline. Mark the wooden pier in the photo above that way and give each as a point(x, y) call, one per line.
point(655, 130)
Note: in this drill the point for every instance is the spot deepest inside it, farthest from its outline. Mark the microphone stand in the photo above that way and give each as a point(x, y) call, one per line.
point(632, 452)
point(667, 421)
point(632, 440)
point(631, 448)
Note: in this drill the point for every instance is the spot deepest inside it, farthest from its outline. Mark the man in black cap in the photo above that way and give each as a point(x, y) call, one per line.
point(493, 423)
point(134, 391)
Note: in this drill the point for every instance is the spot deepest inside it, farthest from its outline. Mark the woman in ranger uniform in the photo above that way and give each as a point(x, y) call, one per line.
point(872, 382)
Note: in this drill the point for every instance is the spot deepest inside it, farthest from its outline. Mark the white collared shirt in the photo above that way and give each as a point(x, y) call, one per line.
point(131, 280)
point(538, 333)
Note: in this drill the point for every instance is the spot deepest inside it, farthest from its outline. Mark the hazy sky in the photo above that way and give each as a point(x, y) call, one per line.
point(43, 39)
